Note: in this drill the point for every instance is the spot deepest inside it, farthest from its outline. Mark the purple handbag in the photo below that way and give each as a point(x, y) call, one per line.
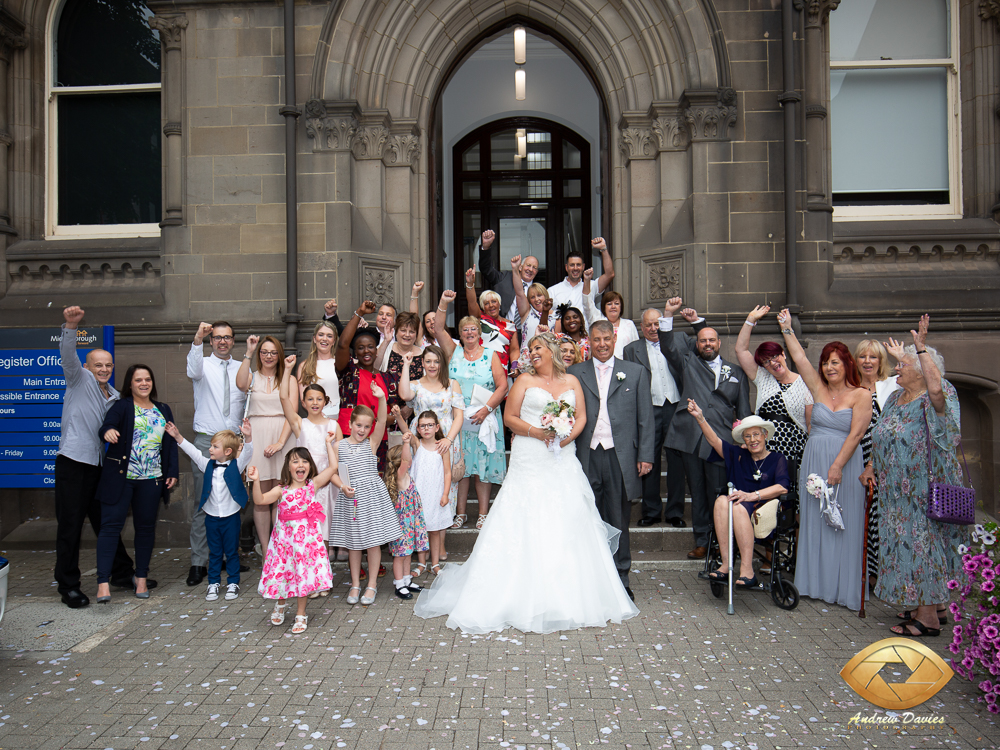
point(949, 503)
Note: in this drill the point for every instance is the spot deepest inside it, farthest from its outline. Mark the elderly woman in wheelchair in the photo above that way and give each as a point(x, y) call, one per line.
point(757, 474)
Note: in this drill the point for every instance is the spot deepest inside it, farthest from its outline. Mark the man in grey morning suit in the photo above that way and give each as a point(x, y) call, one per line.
point(617, 445)
point(722, 390)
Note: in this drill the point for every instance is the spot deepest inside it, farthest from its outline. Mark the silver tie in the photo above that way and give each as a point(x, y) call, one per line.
point(225, 388)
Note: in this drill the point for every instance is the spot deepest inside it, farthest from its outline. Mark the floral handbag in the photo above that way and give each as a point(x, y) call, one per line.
point(949, 503)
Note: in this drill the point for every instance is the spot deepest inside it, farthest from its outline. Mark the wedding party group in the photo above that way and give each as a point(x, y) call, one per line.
point(377, 437)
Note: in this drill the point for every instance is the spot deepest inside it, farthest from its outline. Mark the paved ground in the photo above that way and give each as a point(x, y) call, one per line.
point(177, 672)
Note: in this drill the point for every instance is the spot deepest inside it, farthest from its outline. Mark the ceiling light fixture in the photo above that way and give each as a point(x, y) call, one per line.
point(519, 84)
point(520, 45)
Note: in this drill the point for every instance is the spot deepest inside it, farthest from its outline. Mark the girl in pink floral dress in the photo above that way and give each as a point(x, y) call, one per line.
point(406, 499)
point(297, 563)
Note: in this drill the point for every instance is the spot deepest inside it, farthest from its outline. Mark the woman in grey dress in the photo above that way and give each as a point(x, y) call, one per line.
point(828, 565)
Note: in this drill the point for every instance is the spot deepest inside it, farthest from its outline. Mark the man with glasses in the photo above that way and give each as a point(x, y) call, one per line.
point(218, 405)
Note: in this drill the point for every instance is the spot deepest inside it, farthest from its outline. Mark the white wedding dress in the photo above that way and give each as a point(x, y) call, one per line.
point(542, 562)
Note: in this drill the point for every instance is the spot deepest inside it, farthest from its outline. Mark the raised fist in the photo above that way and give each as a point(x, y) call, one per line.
point(73, 315)
point(488, 236)
point(367, 307)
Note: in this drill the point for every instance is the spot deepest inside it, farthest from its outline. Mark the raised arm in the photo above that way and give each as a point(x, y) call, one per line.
point(590, 311)
point(491, 274)
point(381, 354)
point(932, 375)
point(714, 440)
point(378, 431)
point(798, 355)
point(330, 313)
point(743, 355)
point(470, 293)
point(405, 391)
point(243, 375)
point(196, 355)
point(289, 407)
point(523, 307)
point(343, 355)
point(415, 298)
point(332, 472)
point(262, 498)
point(440, 324)
point(607, 264)
point(71, 365)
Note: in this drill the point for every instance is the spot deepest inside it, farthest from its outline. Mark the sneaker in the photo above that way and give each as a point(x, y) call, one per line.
point(232, 591)
point(213, 592)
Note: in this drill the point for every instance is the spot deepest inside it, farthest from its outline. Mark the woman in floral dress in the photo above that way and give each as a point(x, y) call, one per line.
point(918, 556)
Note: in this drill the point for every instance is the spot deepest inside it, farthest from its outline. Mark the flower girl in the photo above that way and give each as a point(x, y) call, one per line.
point(296, 563)
point(431, 473)
point(409, 509)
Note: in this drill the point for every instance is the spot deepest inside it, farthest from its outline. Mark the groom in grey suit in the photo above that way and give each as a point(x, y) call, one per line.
point(617, 445)
point(722, 391)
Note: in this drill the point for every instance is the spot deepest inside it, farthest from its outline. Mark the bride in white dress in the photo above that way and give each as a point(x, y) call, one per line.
point(542, 562)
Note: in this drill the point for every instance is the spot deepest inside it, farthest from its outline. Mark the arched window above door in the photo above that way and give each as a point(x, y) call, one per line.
point(527, 179)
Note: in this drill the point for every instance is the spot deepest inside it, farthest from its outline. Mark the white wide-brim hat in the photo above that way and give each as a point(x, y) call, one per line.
point(752, 421)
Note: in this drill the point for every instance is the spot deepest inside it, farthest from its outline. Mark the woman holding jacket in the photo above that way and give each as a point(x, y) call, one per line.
point(140, 468)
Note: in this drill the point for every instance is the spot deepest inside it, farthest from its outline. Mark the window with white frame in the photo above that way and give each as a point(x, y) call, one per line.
point(104, 164)
point(894, 109)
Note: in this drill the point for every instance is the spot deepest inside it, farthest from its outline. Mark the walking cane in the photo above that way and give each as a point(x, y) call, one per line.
point(869, 491)
point(731, 611)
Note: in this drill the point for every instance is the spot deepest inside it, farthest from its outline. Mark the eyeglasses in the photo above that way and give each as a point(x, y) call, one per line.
point(222, 338)
point(771, 362)
point(269, 354)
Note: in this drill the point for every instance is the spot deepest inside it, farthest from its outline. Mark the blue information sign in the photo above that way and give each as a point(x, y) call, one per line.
point(32, 388)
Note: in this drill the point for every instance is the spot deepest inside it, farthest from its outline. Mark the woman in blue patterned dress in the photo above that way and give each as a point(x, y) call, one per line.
point(472, 365)
point(918, 556)
point(139, 470)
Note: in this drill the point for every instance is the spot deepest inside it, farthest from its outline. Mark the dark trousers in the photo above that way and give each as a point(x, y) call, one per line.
point(704, 478)
point(76, 501)
point(605, 477)
point(652, 503)
point(223, 535)
point(143, 496)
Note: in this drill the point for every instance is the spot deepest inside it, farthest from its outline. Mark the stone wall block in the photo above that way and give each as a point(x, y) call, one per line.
point(216, 43)
point(757, 201)
point(255, 263)
point(273, 188)
point(213, 141)
point(248, 90)
point(727, 277)
point(767, 277)
point(182, 265)
point(222, 214)
point(255, 42)
point(213, 240)
point(268, 286)
point(745, 252)
point(747, 51)
point(209, 286)
point(750, 76)
point(312, 237)
point(210, 116)
point(234, 67)
point(711, 217)
point(258, 311)
point(262, 238)
point(338, 226)
point(732, 177)
point(237, 189)
point(266, 139)
point(754, 227)
point(200, 83)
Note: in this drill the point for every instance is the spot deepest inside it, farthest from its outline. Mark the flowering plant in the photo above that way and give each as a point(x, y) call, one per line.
point(976, 634)
point(559, 417)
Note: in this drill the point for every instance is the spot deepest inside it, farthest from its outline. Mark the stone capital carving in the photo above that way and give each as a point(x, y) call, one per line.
point(637, 143)
point(710, 113)
point(402, 150)
point(171, 29)
point(369, 141)
point(331, 127)
point(990, 9)
point(10, 37)
point(817, 11)
point(669, 126)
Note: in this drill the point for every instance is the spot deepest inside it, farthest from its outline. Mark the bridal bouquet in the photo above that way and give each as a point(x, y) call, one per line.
point(559, 417)
point(828, 504)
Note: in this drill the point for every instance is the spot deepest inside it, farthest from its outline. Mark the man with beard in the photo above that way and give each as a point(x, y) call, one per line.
point(569, 292)
point(722, 390)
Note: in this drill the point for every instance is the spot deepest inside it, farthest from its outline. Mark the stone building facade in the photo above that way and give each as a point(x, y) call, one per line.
point(690, 183)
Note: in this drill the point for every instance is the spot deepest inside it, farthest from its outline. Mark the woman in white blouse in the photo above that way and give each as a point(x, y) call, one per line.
point(782, 396)
point(612, 305)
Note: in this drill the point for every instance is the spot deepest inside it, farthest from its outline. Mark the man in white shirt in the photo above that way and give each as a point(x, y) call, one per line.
point(569, 291)
point(218, 405)
point(502, 282)
point(665, 391)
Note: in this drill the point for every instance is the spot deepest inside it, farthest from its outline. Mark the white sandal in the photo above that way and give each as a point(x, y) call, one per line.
point(301, 621)
point(436, 569)
point(422, 567)
point(366, 600)
point(459, 520)
point(278, 615)
point(481, 520)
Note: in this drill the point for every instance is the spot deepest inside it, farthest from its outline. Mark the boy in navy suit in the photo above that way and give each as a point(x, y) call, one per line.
point(223, 497)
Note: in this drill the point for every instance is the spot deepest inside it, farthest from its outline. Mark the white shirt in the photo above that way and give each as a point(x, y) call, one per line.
point(625, 331)
point(602, 428)
point(207, 375)
point(513, 315)
point(573, 294)
point(662, 384)
point(220, 502)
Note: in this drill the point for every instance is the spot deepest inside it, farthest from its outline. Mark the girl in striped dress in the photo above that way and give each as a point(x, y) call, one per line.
point(367, 519)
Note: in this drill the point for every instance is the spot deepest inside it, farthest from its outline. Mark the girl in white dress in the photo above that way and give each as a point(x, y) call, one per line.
point(544, 519)
point(431, 472)
point(311, 434)
point(438, 393)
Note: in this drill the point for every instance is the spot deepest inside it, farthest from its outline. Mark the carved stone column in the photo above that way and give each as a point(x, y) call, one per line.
point(817, 96)
point(171, 29)
point(11, 39)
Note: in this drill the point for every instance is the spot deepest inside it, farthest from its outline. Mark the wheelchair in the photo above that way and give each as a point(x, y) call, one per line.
point(780, 544)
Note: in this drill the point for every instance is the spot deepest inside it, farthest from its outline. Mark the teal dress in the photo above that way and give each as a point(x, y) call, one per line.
point(489, 467)
point(917, 556)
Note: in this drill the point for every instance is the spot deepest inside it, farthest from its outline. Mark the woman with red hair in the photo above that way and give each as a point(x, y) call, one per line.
point(782, 396)
point(828, 565)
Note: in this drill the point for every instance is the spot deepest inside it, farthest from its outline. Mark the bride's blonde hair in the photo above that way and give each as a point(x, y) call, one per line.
point(551, 343)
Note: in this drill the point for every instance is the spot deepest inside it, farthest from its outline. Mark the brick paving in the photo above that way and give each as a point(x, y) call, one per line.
point(180, 672)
